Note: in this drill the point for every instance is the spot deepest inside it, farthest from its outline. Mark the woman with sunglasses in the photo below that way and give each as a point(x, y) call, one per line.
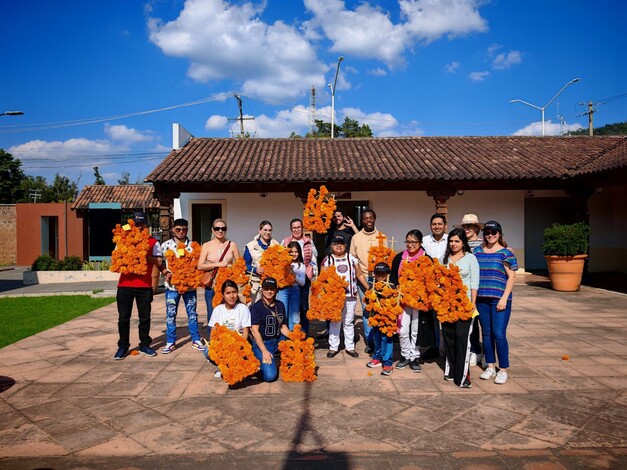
point(497, 274)
point(410, 318)
point(216, 253)
point(252, 255)
point(457, 334)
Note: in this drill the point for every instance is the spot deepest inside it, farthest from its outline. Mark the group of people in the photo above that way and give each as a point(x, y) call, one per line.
point(486, 265)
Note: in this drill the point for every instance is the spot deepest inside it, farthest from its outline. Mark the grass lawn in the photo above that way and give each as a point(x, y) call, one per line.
point(21, 317)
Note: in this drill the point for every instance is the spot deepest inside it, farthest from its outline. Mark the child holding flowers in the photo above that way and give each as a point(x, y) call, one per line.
point(347, 266)
point(268, 323)
point(231, 313)
point(378, 300)
point(290, 295)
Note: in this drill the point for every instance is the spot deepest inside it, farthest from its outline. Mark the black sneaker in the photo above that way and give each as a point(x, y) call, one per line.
point(147, 351)
point(120, 354)
point(402, 364)
point(448, 378)
point(332, 354)
point(415, 366)
point(352, 353)
point(466, 383)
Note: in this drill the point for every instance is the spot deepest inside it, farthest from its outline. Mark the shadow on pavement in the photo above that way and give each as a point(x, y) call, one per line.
point(6, 383)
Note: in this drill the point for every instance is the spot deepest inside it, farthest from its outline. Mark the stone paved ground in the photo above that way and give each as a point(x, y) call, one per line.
point(64, 403)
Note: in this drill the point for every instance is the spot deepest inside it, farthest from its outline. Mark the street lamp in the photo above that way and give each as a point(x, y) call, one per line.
point(545, 106)
point(12, 113)
point(337, 70)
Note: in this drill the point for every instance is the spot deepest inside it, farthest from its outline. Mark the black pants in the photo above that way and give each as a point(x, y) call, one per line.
point(304, 305)
point(143, 297)
point(457, 348)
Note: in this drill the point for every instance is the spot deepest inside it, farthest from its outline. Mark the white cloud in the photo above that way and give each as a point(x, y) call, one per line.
point(61, 151)
point(478, 76)
point(452, 67)
point(504, 61)
point(369, 32)
point(128, 135)
point(273, 62)
point(216, 122)
point(550, 128)
point(378, 72)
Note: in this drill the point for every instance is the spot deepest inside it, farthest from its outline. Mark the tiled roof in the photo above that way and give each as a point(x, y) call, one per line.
point(398, 159)
point(130, 196)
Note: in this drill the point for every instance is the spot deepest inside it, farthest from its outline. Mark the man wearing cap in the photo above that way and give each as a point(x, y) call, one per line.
point(137, 288)
point(180, 245)
point(347, 267)
point(471, 225)
point(361, 243)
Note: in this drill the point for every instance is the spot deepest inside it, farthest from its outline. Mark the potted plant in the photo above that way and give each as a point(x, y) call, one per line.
point(565, 248)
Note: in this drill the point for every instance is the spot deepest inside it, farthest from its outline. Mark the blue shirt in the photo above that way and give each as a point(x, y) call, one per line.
point(492, 274)
point(269, 319)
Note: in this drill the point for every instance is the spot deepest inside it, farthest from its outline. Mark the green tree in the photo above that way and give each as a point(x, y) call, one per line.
point(618, 128)
point(34, 189)
point(125, 178)
point(63, 189)
point(350, 128)
point(11, 177)
point(99, 179)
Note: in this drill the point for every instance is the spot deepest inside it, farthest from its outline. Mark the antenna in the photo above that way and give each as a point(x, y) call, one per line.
point(241, 117)
point(589, 113)
point(312, 110)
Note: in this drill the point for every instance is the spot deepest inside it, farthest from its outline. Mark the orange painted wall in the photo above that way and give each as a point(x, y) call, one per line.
point(29, 231)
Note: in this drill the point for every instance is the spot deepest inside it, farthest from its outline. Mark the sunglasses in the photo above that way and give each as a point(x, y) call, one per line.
point(490, 232)
point(180, 229)
point(220, 229)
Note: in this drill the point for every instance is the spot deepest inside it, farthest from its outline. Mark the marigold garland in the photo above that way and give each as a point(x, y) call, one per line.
point(448, 294)
point(318, 211)
point(184, 268)
point(236, 273)
point(382, 300)
point(297, 357)
point(413, 283)
point(131, 248)
point(380, 253)
point(276, 262)
point(328, 296)
point(233, 354)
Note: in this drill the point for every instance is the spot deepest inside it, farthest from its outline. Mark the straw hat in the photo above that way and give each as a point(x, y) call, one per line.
point(470, 219)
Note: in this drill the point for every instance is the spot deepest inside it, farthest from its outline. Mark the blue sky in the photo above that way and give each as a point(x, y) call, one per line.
point(411, 67)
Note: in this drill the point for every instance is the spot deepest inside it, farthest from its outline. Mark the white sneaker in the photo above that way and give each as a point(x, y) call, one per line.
point(218, 374)
point(169, 347)
point(473, 359)
point(501, 377)
point(488, 374)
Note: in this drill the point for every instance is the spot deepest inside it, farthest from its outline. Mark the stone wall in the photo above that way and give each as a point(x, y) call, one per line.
point(8, 235)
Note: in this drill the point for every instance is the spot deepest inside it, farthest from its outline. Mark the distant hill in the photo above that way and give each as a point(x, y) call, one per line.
point(619, 128)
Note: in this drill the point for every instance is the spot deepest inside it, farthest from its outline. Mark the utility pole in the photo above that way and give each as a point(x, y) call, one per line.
point(241, 117)
point(590, 112)
point(35, 194)
point(312, 110)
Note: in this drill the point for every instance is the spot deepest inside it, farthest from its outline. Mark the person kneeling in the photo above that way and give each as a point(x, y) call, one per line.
point(268, 324)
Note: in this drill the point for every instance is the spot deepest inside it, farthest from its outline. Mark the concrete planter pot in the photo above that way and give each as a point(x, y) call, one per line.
point(58, 277)
point(565, 272)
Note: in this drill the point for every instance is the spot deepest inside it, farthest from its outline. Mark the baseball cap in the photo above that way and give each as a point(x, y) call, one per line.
point(270, 282)
point(338, 239)
point(492, 225)
point(140, 218)
point(382, 268)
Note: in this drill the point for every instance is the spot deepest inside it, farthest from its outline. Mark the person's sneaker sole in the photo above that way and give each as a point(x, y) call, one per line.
point(167, 350)
point(149, 354)
point(373, 365)
point(402, 365)
point(352, 353)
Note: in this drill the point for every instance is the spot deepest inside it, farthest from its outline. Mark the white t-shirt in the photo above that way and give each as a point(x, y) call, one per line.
point(435, 249)
point(235, 319)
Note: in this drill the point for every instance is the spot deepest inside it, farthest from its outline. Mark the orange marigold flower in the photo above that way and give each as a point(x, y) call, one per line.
point(382, 302)
point(233, 354)
point(380, 253)
point(131, 249)
point(297, 358)
point(414, 278)
point(318, 211)
point(236, 273)
point(276, 262)
point(184, 268)
point(448, 295)
point(328, 296)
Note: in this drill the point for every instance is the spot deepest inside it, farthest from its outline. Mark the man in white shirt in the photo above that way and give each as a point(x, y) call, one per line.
point(435, 243)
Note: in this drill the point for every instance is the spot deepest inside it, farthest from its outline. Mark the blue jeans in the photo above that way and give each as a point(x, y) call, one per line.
point(172, 298)
point(209, 295)
point(269, 371)
point(383, 347)
point(290, 296)
point(494, 327)
point(368, 331)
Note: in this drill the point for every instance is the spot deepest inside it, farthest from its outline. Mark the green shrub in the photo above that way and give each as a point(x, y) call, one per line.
point(103, 265)
point(45, 263)
point(566, 240)
point(71, 263)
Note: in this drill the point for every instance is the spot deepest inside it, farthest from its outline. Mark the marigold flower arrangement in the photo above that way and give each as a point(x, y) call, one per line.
point(236, 273)
point(380, 253)
point(131, 248)
point(297, 357)
point(318, 211)
point(328, 296)
point(233, 354)
point(382, 300)
point(448, 294)
point(276, 262)
point(412, 281)
point(184, 267)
